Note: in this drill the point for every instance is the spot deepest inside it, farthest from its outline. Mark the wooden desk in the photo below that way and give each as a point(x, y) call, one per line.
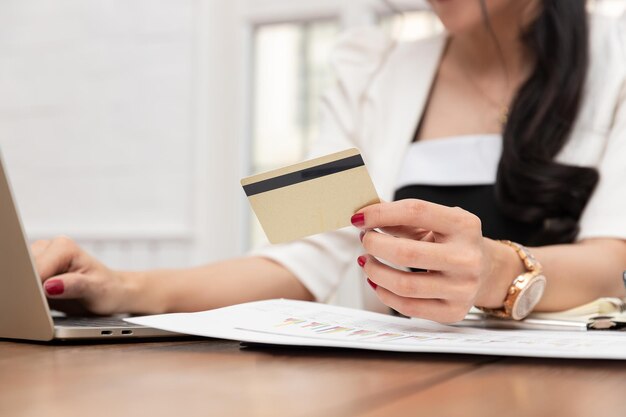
point(218, 378)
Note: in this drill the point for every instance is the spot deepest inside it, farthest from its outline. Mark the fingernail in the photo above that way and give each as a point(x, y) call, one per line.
point(361, 235)
point(54, 287)
point(358, 219)
point(361, 260)
point(372, 284)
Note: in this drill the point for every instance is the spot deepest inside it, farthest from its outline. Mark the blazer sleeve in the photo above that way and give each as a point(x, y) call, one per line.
point(605, 214)
point(321, 261)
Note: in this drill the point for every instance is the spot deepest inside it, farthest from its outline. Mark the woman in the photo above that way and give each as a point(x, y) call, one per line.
point(533, 93)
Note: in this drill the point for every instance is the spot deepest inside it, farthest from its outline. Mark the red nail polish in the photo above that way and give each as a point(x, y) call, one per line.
point(372, 284)
point(361, 235)
point(361, 260)
point(54, 287)
point(358, 219)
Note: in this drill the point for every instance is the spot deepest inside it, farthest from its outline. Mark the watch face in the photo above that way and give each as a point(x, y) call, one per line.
point(528, 298)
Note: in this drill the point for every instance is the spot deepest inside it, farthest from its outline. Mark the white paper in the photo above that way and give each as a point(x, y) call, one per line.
point(300, 323)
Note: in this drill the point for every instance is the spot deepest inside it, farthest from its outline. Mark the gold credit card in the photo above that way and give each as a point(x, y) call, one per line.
point(311, 197)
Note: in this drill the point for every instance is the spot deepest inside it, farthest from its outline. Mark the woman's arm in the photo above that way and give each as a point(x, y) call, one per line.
point(211, 286)
point(70, 273)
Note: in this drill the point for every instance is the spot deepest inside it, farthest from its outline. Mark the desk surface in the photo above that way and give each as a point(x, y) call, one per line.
point(219, 378)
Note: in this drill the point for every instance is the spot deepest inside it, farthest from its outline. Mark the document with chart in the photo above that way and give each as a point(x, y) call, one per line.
point(301, 323)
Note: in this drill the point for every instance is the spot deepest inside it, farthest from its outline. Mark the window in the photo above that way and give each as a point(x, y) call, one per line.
point(291, 71)
point(608, 7)
point(411, 25)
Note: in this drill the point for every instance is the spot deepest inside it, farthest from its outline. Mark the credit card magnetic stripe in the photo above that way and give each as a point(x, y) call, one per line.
point(307, 174)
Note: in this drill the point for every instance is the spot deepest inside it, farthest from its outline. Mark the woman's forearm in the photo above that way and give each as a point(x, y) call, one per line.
point(210, 286)
point(576, 273)
point(582, 272)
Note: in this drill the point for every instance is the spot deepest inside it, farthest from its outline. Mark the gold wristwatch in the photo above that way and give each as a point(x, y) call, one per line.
point(526, 289)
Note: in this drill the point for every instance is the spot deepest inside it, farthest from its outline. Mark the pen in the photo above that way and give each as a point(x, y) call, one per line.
point(480, 320)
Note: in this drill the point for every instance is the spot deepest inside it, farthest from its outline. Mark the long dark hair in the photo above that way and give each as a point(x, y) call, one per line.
point(531, 186)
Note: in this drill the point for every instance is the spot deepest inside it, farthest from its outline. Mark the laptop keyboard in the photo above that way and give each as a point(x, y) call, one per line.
point(91, 322)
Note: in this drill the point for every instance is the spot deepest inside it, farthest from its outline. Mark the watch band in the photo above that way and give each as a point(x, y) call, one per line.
point(530, 263)
point(519, 286)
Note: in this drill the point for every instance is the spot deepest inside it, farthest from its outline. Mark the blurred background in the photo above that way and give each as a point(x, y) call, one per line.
point(127, 124)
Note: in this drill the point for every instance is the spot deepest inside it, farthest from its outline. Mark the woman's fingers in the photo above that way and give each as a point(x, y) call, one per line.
point(91, 293)
point(69, 273)
point(409, 232)
point(417, 213)
point(423, 285)
point(66, 286)
point(441, 311)
point(38, 247)
point(55, 258)
point(418, 254)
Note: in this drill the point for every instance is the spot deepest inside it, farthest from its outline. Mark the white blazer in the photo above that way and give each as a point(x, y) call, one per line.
point(380, 96)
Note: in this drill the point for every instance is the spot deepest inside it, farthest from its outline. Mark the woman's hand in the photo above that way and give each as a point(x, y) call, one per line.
point(74, 281)
point(460, 264)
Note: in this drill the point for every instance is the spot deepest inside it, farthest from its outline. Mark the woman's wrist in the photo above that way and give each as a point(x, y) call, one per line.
point(505, 266)
point(136, 296)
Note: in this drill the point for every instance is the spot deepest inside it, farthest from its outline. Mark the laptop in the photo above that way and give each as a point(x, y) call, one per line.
point(24, 310)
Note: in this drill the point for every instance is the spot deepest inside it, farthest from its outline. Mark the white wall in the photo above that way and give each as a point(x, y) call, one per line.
point(111, 126)
point(125, 123)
